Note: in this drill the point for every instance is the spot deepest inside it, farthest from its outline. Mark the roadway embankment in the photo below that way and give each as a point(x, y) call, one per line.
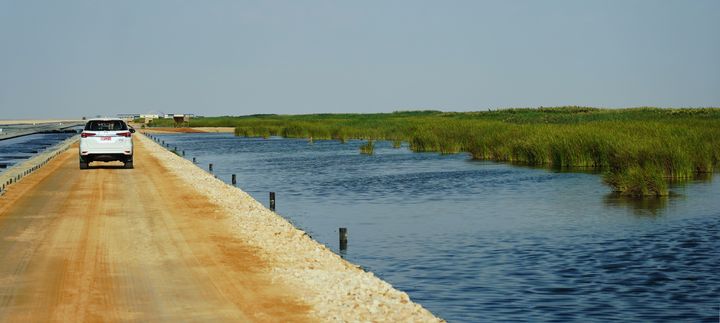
point(18, 128)
point(167, 241)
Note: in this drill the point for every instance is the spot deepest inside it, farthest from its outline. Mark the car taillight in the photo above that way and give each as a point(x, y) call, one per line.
point(87, 134)
point(123, 134)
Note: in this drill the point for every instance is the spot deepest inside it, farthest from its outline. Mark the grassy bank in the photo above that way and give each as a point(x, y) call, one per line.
point(640, 149)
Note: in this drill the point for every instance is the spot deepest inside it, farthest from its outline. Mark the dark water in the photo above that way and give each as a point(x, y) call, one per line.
point(17, 150)
point(480, 241)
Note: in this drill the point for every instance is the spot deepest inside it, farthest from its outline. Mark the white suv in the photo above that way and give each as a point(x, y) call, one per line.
point(106, 140)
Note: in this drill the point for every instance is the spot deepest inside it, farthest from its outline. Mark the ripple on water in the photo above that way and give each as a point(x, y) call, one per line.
point(486, 242)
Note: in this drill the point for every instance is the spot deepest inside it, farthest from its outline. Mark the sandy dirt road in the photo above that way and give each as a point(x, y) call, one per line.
point(113, 244)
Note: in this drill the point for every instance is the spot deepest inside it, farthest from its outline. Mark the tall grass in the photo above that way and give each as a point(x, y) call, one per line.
point(368, 148)
point(639, 149)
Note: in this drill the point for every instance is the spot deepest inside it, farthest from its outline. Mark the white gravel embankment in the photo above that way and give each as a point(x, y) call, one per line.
point(337, 290)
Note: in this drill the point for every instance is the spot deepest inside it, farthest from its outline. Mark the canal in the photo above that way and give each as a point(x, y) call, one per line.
point(482, 241)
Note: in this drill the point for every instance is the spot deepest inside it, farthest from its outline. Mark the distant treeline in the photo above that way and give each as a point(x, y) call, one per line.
point(639, 149)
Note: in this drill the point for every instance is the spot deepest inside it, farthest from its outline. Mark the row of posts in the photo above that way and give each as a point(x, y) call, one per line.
point(342, 232)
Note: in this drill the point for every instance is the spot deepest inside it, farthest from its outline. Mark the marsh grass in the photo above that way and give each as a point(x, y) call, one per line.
point(368, 148)
point(639, 149)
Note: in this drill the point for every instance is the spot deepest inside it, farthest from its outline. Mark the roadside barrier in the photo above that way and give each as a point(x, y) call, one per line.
point(272, 201)
point(343, 238)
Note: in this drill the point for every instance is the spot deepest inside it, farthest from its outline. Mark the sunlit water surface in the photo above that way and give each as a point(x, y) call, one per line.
point(16, 150)
point(481, 241)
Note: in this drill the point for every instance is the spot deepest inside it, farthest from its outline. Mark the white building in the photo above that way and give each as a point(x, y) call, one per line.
point(128, 116)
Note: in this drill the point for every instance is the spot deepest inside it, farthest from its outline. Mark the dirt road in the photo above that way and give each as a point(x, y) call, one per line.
point(113, 244)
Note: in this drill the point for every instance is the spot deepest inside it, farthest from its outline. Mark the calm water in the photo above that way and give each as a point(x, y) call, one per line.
point(480, 241)
point(19, 149)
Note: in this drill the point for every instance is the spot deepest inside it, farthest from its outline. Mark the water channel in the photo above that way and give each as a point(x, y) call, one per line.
point(478, 241)
point(16, 150)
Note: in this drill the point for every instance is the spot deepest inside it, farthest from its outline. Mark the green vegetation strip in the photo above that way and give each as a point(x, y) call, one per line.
point(639, 149)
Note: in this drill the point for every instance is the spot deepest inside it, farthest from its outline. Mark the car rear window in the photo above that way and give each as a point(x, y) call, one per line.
point(105, 125)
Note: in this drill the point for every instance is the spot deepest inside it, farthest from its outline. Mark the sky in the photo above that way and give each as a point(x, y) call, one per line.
point(63, 59)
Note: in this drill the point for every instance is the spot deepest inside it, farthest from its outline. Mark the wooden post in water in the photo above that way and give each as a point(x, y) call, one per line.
point(272, 201)
point(234, 179)
point(343, 238)
point(210, 167)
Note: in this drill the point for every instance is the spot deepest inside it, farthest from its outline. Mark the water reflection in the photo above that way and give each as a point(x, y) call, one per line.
point(16, 150)
point(656, 205)
point(561, 169)
point(640, 206)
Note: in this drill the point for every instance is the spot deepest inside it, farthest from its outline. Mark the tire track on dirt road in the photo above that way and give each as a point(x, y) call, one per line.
point(113, 244)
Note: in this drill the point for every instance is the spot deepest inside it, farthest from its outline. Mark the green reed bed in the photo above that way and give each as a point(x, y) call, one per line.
point(368, 148)
point(640, 149)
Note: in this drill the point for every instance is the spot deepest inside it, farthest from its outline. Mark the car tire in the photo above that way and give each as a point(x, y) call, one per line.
point(128, 165)
point(83, 165)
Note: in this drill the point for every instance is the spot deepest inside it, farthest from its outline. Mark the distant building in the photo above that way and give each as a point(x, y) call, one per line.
point(173, 115)
point(148, 118)
point(182, 120)
point(128, 116)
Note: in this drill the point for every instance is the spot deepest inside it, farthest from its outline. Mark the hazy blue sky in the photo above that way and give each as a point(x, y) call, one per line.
point(74, 58)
